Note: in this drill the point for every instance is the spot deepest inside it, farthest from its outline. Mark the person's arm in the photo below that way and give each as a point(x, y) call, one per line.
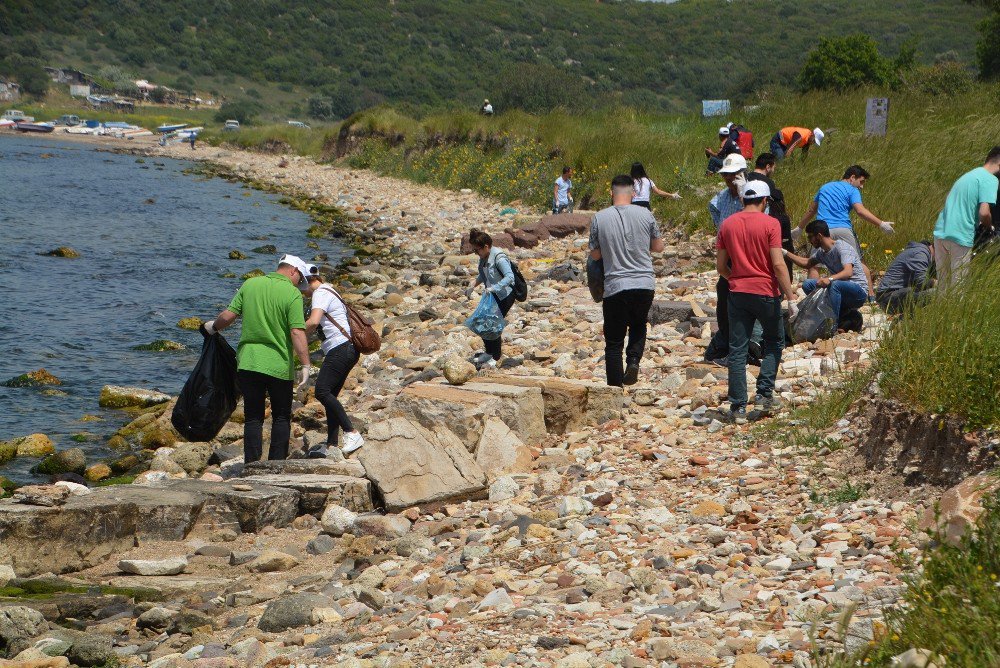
point(798, 260)
point(985, 214)
point(301, 346)
point(664, 193)
point(722, 263)
point(503, 264)
point(595, 240)
point(223, 320)
point(555, 194)
point(809, 215)
point(655, 241)
point(656, 245)
point(715, 212)
point(781, 272)
point(314, 320)
point(865, 214)
point(796, 138)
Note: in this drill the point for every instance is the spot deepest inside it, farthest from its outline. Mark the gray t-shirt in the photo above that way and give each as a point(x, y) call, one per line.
point(842, 253)
point(623, 234)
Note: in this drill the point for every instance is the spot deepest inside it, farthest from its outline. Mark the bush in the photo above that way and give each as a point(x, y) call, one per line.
point(245, 111)
point(28, 72)
point(943, 78)
point(535, 88)
point(841, 63)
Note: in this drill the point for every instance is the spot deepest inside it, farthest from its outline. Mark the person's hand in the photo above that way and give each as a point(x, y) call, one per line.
point(796, 235)
point(210, 327)
point(675, 195)
point(823, 282)
point(793, 309)
point(886, 226)
point(302, 377)
point(491, 289)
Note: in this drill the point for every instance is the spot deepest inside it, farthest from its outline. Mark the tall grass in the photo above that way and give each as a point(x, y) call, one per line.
point(301, 141)
point(946, 356)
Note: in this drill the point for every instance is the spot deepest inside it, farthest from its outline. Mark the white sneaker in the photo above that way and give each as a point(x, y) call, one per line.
point(352, 441)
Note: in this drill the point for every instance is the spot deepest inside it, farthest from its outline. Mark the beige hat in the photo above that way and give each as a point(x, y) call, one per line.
point(733, 163)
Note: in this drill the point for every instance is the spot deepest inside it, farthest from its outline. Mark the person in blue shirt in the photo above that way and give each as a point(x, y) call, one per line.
point(834, 203)
point(496, 273)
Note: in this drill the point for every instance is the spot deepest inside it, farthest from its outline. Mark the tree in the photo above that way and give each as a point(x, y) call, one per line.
point(988, 47)
point(538, 88)
point(840, 63)
point(245, 111)
point(28, 72)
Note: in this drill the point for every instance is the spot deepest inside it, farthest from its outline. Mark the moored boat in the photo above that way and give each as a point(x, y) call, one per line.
point(171, 128)
point(35, 127)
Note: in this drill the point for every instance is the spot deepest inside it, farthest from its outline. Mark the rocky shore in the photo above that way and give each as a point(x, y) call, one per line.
point(530, 516)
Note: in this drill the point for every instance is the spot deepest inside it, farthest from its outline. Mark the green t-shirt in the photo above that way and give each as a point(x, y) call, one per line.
point(960, 216)
point(271, 306)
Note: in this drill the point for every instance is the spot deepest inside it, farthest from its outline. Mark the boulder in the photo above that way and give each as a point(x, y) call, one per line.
point(338, 520)
point(192, 457)
point(171, 566)
point(960, 507)
point(41, 495)
point(116, 396)
point(343, 467)
point(458, 370)
point(566, 224)
point(565, 272)
point(501, 451)
point(669, 311)
point(18, 624)
point(568, 405)
point(291, 611)
point(62, 251)
point(91, 649)
point(316, 492)
point(6, 574)
point(65, 461)
point(412, 465)
point(522, 238)
point(500, 240)
point(8, 451)
point(193, 322)
point(157, 618)
point(36, 378)
point(159, 346)
point(381, 526)
point(97, 472)
point(33, 445)
point(273, 561)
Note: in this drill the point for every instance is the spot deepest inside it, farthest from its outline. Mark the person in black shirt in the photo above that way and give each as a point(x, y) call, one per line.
point(763, 169)
point(728, 146)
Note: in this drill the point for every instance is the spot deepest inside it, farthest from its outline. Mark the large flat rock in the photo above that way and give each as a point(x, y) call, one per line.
point(316, 491)
point(412, 465)
point(569, 405)
point(348, 467)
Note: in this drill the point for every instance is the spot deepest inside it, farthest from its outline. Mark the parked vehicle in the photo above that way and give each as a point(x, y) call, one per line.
point(231, 124)
point(171, 127)
point(72, 120)
point(298, 124)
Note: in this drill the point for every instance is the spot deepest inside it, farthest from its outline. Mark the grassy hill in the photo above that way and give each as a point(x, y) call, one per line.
point(427, 53)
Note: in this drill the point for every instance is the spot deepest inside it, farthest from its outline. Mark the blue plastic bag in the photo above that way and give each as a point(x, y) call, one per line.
point(487, 320)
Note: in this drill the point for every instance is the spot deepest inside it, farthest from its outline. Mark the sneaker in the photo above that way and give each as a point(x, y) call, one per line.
point(489, 364)
point(631, 376)
point(770, 404)
point(352, 441)
point(738, 416)
point(721, 361)
point(480, 357)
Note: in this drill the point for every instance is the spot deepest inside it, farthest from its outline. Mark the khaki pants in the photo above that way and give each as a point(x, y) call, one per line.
point(952, 261)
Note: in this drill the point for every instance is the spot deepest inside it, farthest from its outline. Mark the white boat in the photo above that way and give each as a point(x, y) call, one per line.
point(80, 130)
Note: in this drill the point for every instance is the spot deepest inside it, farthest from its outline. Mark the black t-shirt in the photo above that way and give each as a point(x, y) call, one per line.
point(777, 206)
point(729, 147)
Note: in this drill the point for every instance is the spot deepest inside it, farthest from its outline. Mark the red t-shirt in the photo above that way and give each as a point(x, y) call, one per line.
point(748, 237)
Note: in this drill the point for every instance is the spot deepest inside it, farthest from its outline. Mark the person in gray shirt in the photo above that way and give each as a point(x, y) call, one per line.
point(907, 280)
point(847, 282)
point(624, 236)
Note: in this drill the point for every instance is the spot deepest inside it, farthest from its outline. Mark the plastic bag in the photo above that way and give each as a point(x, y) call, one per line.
point(595, 279)
point(211, 392)
point(487, 320)
point(816, 318)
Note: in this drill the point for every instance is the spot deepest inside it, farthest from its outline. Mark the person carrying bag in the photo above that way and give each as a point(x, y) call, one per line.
point(497, 274)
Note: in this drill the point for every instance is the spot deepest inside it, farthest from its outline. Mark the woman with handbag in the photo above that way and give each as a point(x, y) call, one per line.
point(496, 273)
point(329, 315)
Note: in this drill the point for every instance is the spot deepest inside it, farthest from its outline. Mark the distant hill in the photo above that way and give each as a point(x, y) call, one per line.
point(355, 53)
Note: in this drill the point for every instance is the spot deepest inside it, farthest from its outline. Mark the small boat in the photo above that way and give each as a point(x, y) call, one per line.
point(171, 128)
point(35, 127)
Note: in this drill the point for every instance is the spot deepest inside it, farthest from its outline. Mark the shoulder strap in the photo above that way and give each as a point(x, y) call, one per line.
point(330, 317)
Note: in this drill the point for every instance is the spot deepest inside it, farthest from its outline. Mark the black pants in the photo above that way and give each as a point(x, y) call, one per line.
point(493, 347)
point(336, 367)
point(719, 346)
point(254, 387)
point(624, 312)
point(643, 204)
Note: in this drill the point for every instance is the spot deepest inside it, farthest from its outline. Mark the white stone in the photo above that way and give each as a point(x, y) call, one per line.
point(338, 520)
point(504, 488)
point(779, 564)
point(171, 566)
point(6, 574)
point(75, 488)
point(498, 600)
point(574, 505)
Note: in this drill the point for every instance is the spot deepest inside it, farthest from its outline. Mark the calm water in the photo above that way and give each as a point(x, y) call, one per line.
point(143, 266)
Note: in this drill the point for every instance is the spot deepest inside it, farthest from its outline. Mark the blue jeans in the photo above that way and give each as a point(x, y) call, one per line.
point(777, 148)
point(744, 310)
point(844, 295)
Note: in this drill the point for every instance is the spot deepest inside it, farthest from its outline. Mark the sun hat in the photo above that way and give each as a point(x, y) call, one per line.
point(818, 136)
point(755, 190)
point(724, 130)
point(297, 262)
point(733, 163)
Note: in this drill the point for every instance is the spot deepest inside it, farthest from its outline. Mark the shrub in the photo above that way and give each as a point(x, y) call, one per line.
point(943, 78)
point(840, 63)
point(535, 88)
point(245, 111)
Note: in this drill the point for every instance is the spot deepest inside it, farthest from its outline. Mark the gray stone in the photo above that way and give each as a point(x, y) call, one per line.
point(18, 624)
point(568, 404)
point(382, 526)
point(91, 649)
point(192, 457)
point(291, 611)
point(157, 619)
point(171, 566)
point(321, 544)
point(116, 396)
point(503, 489)
point(272, 561)
point(669, 311)
point(328, 466)
point(316, 492)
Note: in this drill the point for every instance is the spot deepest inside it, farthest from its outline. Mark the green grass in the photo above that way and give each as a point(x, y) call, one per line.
point(300, 141)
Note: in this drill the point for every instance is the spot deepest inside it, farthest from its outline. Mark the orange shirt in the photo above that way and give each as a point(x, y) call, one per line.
point(786, 137)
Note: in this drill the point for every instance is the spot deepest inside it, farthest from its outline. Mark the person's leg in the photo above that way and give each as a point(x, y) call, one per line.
point(836, 296)
point(253, 387)
point(894, 302)
point(722, 315)
point(777, 149)
point(714, 165)
point(615, 314)
point(852, 295)
point(494, 348)
point(640, 302)
point(809, 285)
point(336, 367)
point(961, 260)
point(280, 392)
point(741, 319)
point(773, 325)
point(942, 262)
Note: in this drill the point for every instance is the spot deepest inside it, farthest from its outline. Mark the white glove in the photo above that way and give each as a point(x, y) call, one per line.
point(210, 327)
point(886, 226)
point(796, 234)
point(793, 310)
point(302, 377)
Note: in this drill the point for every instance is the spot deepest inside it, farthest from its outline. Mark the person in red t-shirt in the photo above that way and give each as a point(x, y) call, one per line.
point(749, 245)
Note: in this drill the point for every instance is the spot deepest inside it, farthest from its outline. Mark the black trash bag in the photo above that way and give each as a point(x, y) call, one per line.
point(595, 279)
point(816, 318)
point(211, 392)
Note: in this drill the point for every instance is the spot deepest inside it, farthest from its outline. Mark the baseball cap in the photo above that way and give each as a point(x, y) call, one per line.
point(755, 190)
point(818, 136)
point(724, 130)
point(296, 261)
point(312, 271)
point(733, 163)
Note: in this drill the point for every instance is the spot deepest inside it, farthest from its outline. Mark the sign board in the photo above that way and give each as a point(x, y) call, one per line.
point(877, 117)
point(714, 107)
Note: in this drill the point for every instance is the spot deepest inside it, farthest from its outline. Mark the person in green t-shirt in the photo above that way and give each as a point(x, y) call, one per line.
point(274, 332)
point(967, 206)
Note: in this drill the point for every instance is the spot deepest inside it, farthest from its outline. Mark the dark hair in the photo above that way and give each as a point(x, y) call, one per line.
point(638, 171)
point(928, 243)
point(479, 239)
point(818, 227)
point(993, 155)
point(856, 171)
point(765, 160)
point(622, 180)
point(567, 169)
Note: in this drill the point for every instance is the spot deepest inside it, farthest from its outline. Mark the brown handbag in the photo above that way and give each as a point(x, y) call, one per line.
point(364, 337)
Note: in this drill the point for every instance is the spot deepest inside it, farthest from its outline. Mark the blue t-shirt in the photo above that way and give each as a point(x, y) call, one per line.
point(960, 215)
point(835, 200)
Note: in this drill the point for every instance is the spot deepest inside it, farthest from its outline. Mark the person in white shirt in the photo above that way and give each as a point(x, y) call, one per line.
point(643, 187)
point(487, 108)
point(562, 198)
point(329, 315)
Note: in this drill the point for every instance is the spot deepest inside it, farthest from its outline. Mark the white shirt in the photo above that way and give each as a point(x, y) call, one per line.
point(563, 185)
point(325, 299)
point(641, 190)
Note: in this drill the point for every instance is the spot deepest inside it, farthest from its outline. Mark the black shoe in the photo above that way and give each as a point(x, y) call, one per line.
point(721, 361)
point(317, 454)
point(631, 376)
point(738, 416)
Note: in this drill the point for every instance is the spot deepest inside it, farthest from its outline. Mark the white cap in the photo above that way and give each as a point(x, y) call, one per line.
point(312, 271)
point(733, 163)
point(724, 130)
point(755, 190)
point(818, 136)
point(296, 261)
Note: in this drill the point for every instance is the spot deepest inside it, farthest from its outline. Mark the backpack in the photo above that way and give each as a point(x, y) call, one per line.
point(364, 337)
point(520, 287)
point(744, 140)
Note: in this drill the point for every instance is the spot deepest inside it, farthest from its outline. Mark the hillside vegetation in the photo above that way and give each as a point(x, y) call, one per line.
point(353, 54)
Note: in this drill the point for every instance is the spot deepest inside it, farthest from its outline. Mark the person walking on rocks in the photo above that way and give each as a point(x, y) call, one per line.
point(644, 187)
point(967, 208)
point(328, 316)
point(750, 259)
point(624, 236)
point(562, 198)
point(497, 275)
point(273, 334)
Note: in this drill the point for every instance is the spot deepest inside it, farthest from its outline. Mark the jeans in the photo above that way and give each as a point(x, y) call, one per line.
point(777, 148)
point(625, 311)
point(563, 208)
point(744, 310)
point(336, 367)
point(255, 386)
point(493, 347)
point(844, 295)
